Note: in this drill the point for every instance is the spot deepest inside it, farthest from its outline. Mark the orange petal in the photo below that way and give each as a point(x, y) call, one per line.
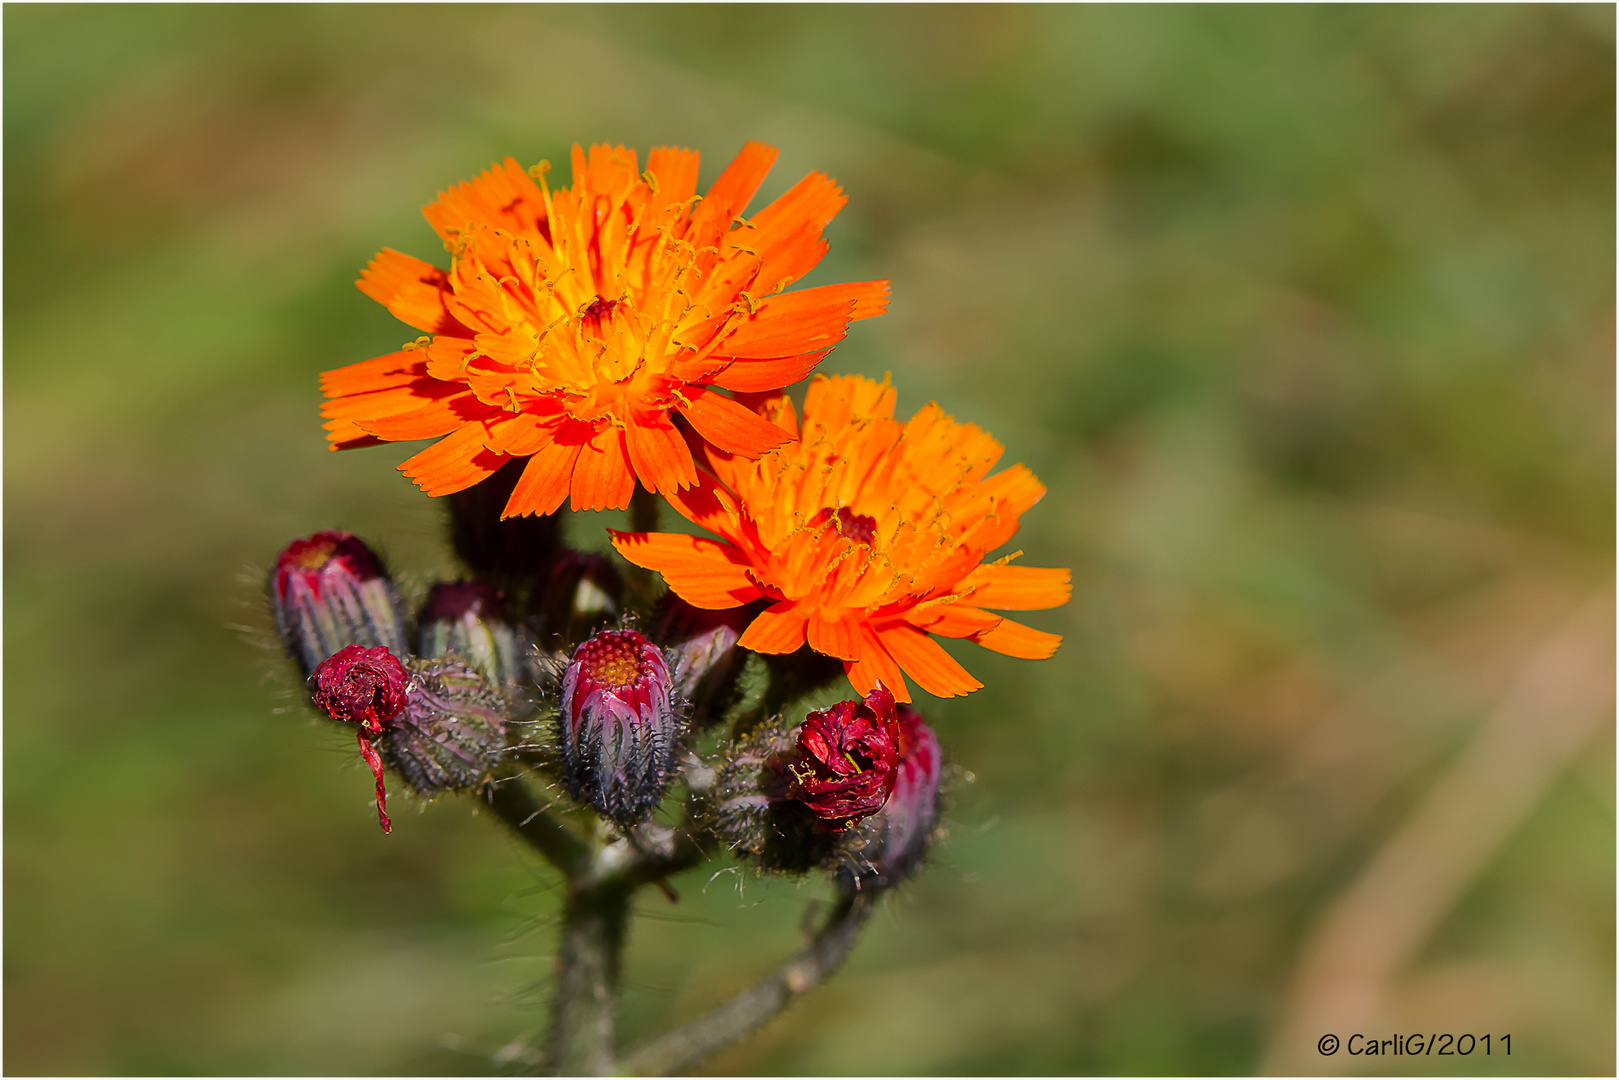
point(454, 463)
point(729, 425)
point(544, 483)
point(802, 321)
point(704, 573)
point(378, 373)
point(601, 477)
point(1017, 588)
point(658, 454)
point(954, 620)
point(778, 629)
point(925, 660)
point(735, 188)
point(429, 422)
point(676, 172)
point(708, 506)
point(413, 290)
point(875, 664)
point(834, 637)
point(502, 195)
point(835, 401)
point(520, 435)
point(787, 233)
point(757, 376)
point(417, 394)
point(1014, 639)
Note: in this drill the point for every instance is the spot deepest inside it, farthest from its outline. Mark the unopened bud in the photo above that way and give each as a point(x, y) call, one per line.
point(452, 730)
point(897, 838)
point(438, 723)
point(329, 591)
point(618, 725)
point(468, 619)
point(706, 659)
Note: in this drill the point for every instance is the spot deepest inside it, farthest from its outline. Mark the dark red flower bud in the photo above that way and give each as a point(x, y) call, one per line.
point(330, 590)
point(361, 686)
point(846, 759)
point(618, 725)
point(468, 619)
point(899, 834)
point(367, 688)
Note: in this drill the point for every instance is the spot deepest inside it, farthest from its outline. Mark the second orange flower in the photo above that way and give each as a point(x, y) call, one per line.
point(574, 326)
point(867, 536)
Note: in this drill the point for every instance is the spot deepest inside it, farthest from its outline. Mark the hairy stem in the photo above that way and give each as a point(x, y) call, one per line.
point(751, 1009)
point(587, 970)
point(513, 801)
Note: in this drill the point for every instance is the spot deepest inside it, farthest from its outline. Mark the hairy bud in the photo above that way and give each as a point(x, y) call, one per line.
point(896, 839)
point(618, 725)
point(468, 619)
point(330, 590)
point(437, 723)
point(451, 732)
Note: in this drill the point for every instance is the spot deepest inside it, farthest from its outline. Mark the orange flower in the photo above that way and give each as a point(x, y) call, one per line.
point(869, 535)
point(573, 323)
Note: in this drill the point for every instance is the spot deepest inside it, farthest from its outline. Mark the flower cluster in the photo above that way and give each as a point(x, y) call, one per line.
point(624, 340)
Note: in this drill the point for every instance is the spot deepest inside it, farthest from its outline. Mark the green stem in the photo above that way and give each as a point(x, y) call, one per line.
point(514, 803)
point(644, 508)
point(585, 1007)
point(751, 1009)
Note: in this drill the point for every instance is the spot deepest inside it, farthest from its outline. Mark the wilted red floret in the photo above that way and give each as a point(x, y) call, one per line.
point(847, 758)
point(368, 688)
point(618, 723)
point(362, 686)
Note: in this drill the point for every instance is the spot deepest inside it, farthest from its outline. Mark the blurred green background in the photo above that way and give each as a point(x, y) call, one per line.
point(1305, 316)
